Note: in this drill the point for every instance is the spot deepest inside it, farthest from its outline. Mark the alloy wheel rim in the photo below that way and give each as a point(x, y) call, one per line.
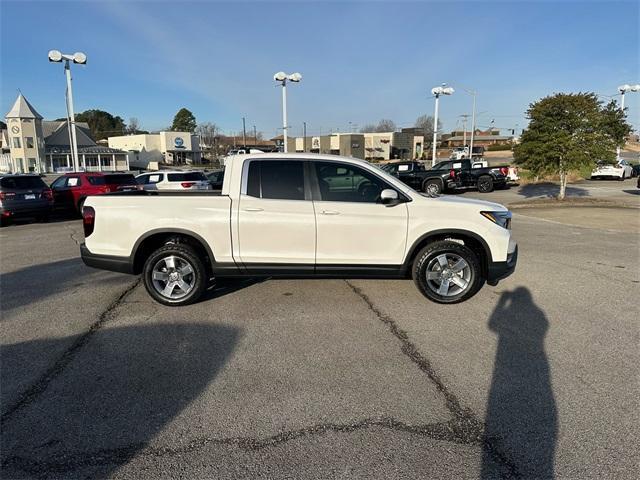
point(448, 274)
point(433, 189)
point(173, 277)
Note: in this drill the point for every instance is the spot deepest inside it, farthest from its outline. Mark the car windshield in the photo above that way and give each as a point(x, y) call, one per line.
point(187, 177)
point(20, 183)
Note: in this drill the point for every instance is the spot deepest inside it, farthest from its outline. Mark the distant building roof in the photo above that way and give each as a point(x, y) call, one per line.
point(22, 109)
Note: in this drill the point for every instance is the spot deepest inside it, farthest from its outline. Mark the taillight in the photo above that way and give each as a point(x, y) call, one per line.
point(88, 220)
point(452, 173)
point(48, 194)
point(187, 184)
point(504, 171)
point(7, 195)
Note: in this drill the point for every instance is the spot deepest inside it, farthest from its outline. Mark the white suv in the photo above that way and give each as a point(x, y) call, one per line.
point(173, 180)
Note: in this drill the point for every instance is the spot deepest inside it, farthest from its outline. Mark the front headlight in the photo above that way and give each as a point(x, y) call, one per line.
point(499, 218)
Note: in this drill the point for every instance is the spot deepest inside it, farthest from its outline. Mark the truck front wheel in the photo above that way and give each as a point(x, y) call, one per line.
point(485, 184)
point(447, 272)
point(175, 275)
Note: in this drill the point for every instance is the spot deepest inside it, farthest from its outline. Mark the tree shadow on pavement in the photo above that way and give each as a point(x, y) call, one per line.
point(521, 418)
point(550, 190)
point(106, 399)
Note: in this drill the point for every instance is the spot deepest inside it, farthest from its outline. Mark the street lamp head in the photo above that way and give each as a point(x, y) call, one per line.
point(55, 56)
point(635, 88)
point(280, 77)
point(80, 58)
point(442, 90)
point(624, 88)
point(448, 90)
point(295, 77)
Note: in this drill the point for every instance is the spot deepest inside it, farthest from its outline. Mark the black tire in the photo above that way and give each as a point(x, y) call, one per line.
point(80, 205)
point(485, 184)
point(43, 218)
point(432, 186)
point(425, 263)
point(186, 255)
point(624, 175)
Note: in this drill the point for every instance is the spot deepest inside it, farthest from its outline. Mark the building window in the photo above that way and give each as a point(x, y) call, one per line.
point(16, 142)
point(28, 142)
point(32, 164)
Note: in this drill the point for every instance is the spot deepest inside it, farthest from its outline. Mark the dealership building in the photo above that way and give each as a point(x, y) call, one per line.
point(150, 149)
point(405, 144)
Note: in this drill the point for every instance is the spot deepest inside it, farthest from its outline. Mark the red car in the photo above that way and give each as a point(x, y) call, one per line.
point(71, 189)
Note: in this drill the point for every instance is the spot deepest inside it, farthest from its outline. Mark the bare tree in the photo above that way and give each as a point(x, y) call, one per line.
point(134, 126)
point(368, 128)
point(386, 125)
point(208, 133)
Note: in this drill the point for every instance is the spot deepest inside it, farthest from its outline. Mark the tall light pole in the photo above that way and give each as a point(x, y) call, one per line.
point(282, 78)
point(437, 91)
point(624, 89)
point(80, 58)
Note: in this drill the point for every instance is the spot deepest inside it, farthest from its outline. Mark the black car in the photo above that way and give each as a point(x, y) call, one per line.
point(447, 175)
point(24, 196)
point(215, 179)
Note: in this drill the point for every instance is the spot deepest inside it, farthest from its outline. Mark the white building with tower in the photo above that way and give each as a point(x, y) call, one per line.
point(40, 146)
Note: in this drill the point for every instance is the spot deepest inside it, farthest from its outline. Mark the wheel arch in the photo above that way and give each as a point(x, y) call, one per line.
point(470, 239)
point(154, 239)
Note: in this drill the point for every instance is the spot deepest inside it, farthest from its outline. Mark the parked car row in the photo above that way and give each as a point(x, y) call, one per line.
point(29, 196)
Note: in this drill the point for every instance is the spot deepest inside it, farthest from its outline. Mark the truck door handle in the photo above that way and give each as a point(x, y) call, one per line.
point(330, 212)
point(253, 209)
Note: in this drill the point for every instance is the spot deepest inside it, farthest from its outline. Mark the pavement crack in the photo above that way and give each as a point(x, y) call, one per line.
point(40, 385)
point(70, 461)
point(73, 233)
point(468, 425)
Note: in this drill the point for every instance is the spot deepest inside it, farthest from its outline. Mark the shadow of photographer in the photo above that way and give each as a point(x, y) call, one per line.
point(521, 418)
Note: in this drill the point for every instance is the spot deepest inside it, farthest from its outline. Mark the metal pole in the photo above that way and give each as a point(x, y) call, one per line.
point(304, 137)
point(473, 126)
point(244, 134)
point(621, 108)
point(284, 116)
point(74, 140)
point(435, 132)
point(255, 137)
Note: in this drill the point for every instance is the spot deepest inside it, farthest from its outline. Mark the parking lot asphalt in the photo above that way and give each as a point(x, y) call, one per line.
point(533, 378)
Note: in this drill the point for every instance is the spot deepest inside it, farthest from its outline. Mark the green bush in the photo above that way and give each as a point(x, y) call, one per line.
point(499, 147)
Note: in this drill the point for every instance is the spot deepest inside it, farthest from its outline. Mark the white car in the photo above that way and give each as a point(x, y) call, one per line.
point(173, 180)
point(300, 215)
point(620, 170)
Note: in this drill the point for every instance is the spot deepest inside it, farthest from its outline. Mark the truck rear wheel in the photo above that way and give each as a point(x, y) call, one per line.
point(432, 187)
point(485, 184)
point(447, 272)
point(175, 275)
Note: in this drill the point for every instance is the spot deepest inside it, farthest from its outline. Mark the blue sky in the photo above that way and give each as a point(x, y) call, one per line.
point(360, 61)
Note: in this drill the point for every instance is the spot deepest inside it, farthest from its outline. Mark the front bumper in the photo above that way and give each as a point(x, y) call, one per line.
point(106, 262)
point(496, 271)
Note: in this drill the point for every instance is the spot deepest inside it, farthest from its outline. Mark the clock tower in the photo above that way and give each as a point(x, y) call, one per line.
point(26, 140)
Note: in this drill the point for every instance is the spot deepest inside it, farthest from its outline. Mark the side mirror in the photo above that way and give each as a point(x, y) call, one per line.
point(389, 197)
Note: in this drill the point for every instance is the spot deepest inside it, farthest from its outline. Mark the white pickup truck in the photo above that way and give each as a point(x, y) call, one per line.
point(300, 216)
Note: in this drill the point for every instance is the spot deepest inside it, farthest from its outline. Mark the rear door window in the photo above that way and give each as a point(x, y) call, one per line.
point(96, 180)
point(119, 179)
point(278, 180)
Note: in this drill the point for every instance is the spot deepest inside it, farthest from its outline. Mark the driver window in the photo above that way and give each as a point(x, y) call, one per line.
point(341, 182)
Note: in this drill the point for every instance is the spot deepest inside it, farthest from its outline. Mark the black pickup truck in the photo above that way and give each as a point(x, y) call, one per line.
point(447, 175)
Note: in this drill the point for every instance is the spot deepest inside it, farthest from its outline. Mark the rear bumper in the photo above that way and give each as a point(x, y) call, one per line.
point(106, 262)
point(498, 270)
point(27, 210)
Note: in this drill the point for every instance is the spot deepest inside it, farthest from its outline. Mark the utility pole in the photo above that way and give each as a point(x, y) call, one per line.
point(244, 134)
point(255, 137)
point(304, 137)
